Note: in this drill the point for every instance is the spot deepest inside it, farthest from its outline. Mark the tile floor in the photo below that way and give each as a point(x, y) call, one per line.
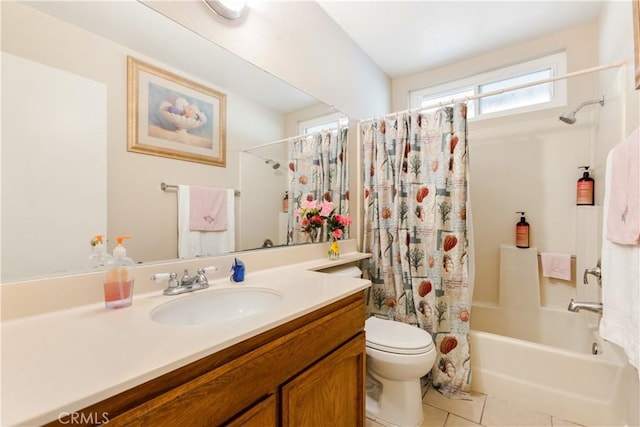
point(481, 410)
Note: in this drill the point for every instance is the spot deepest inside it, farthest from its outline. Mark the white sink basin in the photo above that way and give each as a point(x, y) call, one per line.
point(217, 306)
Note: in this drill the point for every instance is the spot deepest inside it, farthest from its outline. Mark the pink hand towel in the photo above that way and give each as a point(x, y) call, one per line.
point(557, 266)
point(623, 221)
point(207, 209)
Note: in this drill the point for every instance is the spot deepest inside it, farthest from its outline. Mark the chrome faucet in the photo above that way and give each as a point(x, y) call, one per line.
point(576, 306)
point(186, 283)
point(595, 271)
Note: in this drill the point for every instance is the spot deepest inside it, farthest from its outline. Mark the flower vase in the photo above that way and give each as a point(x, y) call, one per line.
point(334, 249)
point(313, 235)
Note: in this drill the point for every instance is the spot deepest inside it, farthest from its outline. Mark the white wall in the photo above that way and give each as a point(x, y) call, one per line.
point(54, 146)
point(524, 162)
point(615, 43)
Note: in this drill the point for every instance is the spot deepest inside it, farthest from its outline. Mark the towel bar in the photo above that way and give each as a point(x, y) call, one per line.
point(165, 187)
point(572, 256)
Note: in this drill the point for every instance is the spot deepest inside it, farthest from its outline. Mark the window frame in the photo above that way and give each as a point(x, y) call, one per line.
point(338, 118)
point(557, 62)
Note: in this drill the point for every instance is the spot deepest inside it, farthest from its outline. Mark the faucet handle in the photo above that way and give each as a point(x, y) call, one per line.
point(207, 270)
point(162, 277)
point(595, 271)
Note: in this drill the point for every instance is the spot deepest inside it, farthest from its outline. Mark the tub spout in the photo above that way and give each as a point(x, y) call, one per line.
point(576, 306)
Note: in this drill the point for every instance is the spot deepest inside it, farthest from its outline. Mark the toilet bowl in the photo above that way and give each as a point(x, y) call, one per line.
point(398, 355)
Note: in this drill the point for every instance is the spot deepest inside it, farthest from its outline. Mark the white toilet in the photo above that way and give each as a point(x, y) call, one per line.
point(398, 355)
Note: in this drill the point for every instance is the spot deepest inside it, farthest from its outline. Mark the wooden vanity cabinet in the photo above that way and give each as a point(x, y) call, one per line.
point(307, 372)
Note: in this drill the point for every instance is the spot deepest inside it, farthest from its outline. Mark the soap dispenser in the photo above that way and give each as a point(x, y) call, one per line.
point(99, 258)
point(522, 232)
point(585, 188)
point(119, 278)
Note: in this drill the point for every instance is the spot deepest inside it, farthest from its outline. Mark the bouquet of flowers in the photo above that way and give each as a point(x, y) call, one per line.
point(313, 215)
point(336, 225)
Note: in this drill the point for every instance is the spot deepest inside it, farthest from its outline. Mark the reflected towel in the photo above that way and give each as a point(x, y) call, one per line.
point(207, 209)
point(623, 222)
point(203, 243)
point(620, 321)
point(557, 266)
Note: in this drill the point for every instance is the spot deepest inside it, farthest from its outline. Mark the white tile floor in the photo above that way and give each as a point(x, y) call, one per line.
point(481, 410)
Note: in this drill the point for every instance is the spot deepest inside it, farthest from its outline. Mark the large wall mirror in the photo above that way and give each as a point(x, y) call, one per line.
point(109, 189)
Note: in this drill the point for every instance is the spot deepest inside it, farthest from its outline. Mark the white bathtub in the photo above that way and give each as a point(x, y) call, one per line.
point(543, 360)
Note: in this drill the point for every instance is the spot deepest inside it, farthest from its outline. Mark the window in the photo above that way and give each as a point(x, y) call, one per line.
point(327, 122)
point(537, 97)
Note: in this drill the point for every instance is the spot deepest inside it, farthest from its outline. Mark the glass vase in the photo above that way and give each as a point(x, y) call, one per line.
point(334, 249)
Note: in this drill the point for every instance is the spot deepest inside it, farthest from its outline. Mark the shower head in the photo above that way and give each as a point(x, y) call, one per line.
point(273, 163)
point(570, 118)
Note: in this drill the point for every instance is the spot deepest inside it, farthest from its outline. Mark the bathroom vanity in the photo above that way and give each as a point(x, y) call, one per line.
point(311, 368)
point(300, 364)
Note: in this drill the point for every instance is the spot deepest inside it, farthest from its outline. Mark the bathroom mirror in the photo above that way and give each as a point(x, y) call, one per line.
point(91, 40)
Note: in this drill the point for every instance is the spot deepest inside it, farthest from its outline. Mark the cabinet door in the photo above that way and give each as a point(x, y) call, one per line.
point(330, 392)
point(264, 414)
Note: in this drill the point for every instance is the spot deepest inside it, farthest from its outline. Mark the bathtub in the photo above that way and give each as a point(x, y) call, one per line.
point(543, 360)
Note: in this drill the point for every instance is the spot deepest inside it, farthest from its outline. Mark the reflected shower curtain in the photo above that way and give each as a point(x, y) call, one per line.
point(317, 171)
point(415, 226)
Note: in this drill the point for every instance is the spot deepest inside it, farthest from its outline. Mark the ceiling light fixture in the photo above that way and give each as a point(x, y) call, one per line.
point(230, 9)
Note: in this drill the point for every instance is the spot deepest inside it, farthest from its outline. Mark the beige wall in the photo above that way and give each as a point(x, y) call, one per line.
point(524, 162)
point(299, 43)
point(136, 205)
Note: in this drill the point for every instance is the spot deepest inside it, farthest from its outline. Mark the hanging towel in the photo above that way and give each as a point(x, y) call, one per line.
point(623, 222)
point(620, 321)
point(203, 243)
point(557, 266)
point(207, 209)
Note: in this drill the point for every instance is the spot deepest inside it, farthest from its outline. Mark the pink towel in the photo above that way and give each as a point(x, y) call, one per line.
point(623, 221)
point(207, 209)
point(557, 266)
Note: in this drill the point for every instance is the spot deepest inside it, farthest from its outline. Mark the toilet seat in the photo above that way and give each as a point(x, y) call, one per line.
point(396, 337)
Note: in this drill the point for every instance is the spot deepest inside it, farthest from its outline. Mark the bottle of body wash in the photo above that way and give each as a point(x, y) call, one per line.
point(585, 188)
point(119, 278)
point(522, 232)
point(99, 258)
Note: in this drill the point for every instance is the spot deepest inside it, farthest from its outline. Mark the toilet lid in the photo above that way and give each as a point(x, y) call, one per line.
point(396, 337)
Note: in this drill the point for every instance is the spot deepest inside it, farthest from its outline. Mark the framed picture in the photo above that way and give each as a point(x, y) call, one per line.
point(636, 36)
point(170, 116)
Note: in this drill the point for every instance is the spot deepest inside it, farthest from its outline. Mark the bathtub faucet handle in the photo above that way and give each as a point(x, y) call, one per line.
point(595, 271)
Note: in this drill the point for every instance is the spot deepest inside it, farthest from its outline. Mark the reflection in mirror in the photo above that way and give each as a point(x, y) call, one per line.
point(311, 166)
point(91, 41)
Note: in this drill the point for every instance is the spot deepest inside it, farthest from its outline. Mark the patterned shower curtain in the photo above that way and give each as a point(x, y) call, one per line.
point(415, 226)
point(317, 171)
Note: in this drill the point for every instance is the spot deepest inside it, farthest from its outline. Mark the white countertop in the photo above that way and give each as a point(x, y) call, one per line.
point(59, 362)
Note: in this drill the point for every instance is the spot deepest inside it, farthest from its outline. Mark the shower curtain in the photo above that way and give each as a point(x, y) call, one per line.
point(317, 171)
point(415, 226)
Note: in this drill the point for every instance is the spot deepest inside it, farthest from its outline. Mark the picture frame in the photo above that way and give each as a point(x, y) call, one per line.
point(636, 37)
point(171, 116)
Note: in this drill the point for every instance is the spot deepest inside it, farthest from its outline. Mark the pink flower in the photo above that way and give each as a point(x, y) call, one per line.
point(343, 220)
point(337, 233)
point(326, 208)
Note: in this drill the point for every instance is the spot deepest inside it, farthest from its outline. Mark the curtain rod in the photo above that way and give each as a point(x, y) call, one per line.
point(290, 138)
point(507, 89)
